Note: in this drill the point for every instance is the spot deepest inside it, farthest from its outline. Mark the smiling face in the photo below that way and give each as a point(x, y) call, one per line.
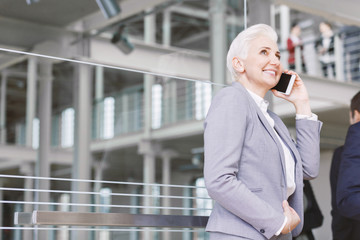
point(261, 67)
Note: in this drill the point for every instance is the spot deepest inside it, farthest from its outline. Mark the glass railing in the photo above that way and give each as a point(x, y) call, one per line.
point(126, 186)
point(107, 210)
point(340, 63)
point(173, 101)
point(119, 109)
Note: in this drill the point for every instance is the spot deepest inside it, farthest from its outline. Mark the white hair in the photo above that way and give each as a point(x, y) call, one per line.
point(241, 44)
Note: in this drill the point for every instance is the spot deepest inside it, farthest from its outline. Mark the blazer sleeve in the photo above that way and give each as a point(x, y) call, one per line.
point(348, 188)
point(308, 145)
point(224, 136)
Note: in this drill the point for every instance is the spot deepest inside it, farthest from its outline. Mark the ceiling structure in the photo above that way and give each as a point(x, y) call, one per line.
point(50, 27)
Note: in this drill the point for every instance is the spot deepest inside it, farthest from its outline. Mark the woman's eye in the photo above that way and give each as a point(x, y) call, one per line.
point(263, 52)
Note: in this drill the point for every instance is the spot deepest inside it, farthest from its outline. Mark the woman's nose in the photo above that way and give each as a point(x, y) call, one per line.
point(275, 60)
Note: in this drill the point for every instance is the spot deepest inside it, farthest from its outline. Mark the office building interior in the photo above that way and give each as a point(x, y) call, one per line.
point(102, 104)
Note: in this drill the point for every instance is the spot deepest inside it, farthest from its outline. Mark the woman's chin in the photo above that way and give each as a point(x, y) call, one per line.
point(271, 82)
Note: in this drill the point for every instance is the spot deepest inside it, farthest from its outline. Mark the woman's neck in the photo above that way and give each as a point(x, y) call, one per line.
point(260, 91)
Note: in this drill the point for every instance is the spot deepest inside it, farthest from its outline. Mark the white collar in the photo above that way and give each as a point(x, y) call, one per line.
point(262, 103)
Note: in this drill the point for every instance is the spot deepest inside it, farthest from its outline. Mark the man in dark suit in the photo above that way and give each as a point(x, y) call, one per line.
point(345, 180)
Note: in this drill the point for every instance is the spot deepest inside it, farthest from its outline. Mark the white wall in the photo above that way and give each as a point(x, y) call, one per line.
point(321, 188)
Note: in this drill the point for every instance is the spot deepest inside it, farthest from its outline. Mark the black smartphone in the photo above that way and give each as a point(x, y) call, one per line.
point(285, 83)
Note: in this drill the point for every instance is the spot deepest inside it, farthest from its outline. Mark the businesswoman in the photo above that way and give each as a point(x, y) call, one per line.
point(253, 169)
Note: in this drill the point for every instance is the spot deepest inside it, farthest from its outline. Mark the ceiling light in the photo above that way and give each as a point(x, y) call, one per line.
point(32, 1)
point(109, 8)
point(122, 42)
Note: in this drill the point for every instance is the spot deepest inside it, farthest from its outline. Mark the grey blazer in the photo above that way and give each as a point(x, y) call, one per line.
point(244, 166)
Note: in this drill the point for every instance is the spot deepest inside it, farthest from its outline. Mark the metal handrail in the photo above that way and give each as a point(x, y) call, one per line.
point(102, 205)
point(97, 181)
point(56, 218)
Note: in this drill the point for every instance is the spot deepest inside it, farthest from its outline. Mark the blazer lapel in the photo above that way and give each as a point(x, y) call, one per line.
point(291, 145)
point(265, 123)
point(272, 133)
point(288, 141)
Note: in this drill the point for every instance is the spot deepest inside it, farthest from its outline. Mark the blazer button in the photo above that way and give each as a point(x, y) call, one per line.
point(262, 230)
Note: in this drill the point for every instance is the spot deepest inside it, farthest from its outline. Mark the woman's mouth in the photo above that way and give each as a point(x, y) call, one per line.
point(270, 72)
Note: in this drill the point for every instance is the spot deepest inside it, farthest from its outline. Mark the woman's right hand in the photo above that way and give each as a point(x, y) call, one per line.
point(293, 218)
point(298, 96)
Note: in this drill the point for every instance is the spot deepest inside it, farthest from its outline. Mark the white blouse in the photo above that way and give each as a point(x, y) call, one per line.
point(289, 160)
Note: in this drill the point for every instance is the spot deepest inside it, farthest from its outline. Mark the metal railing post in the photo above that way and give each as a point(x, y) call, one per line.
point(298, 60)
point(339, 59)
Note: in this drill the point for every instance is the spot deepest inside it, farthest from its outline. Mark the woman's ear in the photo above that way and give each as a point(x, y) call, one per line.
point(238, 65)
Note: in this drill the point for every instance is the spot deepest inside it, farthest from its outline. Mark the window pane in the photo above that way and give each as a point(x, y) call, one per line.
point(67, 130)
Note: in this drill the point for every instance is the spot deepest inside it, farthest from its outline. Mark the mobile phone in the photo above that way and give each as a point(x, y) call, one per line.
point(285, 83)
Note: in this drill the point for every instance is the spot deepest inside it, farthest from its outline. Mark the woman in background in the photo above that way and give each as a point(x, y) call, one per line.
point(325, 48)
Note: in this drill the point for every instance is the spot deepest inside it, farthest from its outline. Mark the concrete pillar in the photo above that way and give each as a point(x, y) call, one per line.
point(187, 192)
point(298, 60)
point(166, 40)
point(1, 207)
point(145, 147)
point(3, 107)
point(82, 157)
point(63, 233)
point(125, 122)
point(245, 14)
point(98, 165)
point(149, 149)
point(259, 12)
point(134, 201)
point(27, 169)
point(150, 36)
point(218, 42)
point(285, 25)
point(173, 103)
point(99, 100)
point(43, 161)
point(45, 105)
point(148, 83)
point(339, 59)
point(166, 156)
point(32, 76)
point(166, 101)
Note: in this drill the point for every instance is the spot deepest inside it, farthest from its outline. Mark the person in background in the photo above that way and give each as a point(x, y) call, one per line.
point(325, 48)
point(253, 169)
point(345, 181)
point(294, 41)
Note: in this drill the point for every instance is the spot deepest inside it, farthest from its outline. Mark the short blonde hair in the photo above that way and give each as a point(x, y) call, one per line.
point(241, 44)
